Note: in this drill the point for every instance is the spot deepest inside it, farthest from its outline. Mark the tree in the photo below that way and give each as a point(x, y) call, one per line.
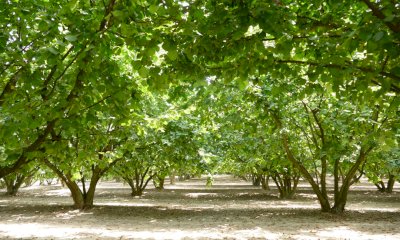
point(340, 132)
point(81, 156)
point(63, 58)
point(137, 172)
point(384, 164)
point(44, 74)
point(14, 181)
point(301, 52)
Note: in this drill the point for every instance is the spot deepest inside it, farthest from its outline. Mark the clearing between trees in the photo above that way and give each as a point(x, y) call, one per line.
point(230, 209)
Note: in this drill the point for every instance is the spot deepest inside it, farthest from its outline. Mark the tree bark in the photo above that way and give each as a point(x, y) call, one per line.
point(256, 179)
point(76, 194)
point(287, 184)
point(390, 184)
point(341, 195)
point(265, 183)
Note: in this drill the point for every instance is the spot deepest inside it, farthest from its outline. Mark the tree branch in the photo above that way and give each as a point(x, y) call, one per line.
point(379, 14)
point(337, 66)
point(10, 86)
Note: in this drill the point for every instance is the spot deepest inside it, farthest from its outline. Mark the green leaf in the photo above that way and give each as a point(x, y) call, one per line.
point(71, 38)
point(76, 176)
point(52, 50)
point(378, 36)
point(172, 54)
point(153, 9)
point(143, 72)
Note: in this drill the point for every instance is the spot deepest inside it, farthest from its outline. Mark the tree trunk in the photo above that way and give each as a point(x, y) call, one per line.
point(76, 194)
point(89, 196)
point(138, 184)
point(161, 183)
point(136, 192)
point(265, 183)
point(340, 203)
point(381, 186)
point(256, 179)
point(341, 195)
point(12, 190)
point(287, 185)
point(322, 197)
point(172, 179)
point(13, 183)
point(390, 184)
point(158, 182)
point(82, 200)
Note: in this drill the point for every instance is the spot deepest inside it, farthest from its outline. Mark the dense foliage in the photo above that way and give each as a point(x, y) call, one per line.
point(148, 89)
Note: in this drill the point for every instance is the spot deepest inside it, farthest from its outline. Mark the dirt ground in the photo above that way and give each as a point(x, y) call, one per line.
point(231, 209)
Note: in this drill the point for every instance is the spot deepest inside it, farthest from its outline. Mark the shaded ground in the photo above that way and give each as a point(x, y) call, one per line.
point(231, 209)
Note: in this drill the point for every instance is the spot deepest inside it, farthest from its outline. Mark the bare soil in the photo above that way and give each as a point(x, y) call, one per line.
point(230, 209)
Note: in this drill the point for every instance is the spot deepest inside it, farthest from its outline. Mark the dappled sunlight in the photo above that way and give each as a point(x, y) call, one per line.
point(344, 232)
point(364, 209)
point(72, 214)
point(57, 192)
point(4, 202)
point(197, 195)
point(125, 204)
point(183, 212)
point(68, 232)
point(221, 231)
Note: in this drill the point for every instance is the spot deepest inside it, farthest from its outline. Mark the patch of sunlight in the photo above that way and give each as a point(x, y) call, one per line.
point(112, 185)
point(363, 209)
point(253, 233)
point(347, 233)
point(199, 209)
point(34, 230)
point(58, 192)
point(72, 214)
point(125, 204)
point(4, 203)
point(252, 30)
point(291, 205)
point(19, 217)
point(197, 195)
point(307, 195)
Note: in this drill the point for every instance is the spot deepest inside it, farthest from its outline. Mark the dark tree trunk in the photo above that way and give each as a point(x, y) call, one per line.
point(136, 192)
point(286, 184)
point(265, 182)
point(340, 203)
point(256, 179)
point(12, 190)
point(340, 196)
point(390, 184)
point(381, 186)
point(388, 187)
point(138, 182)
point(89, 196)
